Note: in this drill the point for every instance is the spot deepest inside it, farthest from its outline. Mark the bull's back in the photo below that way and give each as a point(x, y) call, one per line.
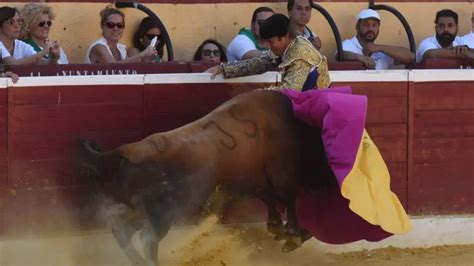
point(237, 140)
point(252, 133)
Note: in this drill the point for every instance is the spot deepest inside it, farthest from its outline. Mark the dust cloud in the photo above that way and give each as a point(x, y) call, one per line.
point(211, 243)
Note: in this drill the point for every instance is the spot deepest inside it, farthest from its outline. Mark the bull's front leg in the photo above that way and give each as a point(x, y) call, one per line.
point(274, 222)
point(293, 230)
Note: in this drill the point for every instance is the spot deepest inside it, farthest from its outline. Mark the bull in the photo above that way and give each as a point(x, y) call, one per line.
point(250, 145)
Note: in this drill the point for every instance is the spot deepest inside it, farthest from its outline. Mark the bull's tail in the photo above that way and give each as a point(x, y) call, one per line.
point(90, 146)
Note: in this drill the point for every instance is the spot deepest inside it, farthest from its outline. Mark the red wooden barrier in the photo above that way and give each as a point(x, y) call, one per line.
point(424, 130)
point(441, 134)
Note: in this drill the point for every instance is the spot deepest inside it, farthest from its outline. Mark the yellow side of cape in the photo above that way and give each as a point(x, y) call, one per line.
point(367, 187)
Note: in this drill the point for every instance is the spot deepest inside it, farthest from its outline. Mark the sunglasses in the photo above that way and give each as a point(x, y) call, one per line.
point(13, 22)
point(43, 23)
point(151, 36)
point(111, 25)
point(207, 52)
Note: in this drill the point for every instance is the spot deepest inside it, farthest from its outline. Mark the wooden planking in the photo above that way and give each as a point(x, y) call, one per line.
point(4, 181)
point(393, 149)
point(443, 95)
point(38, 147)
point(441, 148)
point(82, 95)
point(173, 105)
point(387, 101)
point(442, 188)
point(398, 174)
point(444, 123)
point(73, 119)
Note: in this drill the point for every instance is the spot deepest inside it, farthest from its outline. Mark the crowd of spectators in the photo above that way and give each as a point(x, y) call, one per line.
point(24, 39)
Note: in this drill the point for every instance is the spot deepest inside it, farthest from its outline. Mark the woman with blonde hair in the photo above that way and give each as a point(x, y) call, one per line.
point(14, 51)
point(37, 21)
point(108, 49)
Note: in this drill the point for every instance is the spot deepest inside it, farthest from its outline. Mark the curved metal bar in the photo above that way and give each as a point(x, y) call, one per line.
point(166, 37)
point(335, 31)
point(411, 38)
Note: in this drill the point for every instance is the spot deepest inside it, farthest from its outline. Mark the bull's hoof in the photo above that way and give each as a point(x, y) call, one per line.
point(290, 246)
point(275, 228)
point(305, 235)
point(280, 237)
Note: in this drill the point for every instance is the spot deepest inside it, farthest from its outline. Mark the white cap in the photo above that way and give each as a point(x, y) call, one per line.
point(368, 13)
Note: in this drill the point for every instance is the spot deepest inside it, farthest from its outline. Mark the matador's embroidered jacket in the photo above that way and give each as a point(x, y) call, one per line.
point(302, 66)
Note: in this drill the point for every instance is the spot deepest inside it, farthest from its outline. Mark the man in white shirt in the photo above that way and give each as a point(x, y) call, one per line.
point(363, 48)
point(247, 44)
point(445, 44)
point(468, 39)
point(299, 12)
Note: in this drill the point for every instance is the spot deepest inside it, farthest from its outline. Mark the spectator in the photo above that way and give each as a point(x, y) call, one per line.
point(445, 43)
point(15, 51)
point(299, 12)
point(108, 49)
point(363, 48)
point(147, 30)
point(38, 19)
point(304, 67)
point(210, 51)
point(468, 39)
point(248, 44)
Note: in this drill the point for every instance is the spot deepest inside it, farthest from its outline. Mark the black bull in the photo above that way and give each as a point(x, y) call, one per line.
point(250, 145)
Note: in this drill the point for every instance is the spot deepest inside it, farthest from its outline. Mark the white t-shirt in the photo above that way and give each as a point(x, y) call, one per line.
point(238, 47)
point(20, 51)
point(308, 33)
point(432, 43)
point(382, 61)
point(102, 41)
point(468, 40)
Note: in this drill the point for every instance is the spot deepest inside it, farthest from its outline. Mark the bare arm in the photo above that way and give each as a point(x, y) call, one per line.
point(366, 60)
point(401, 55)
point(100, 54)
point(447, 53)
point(251, 54)
point(29, 60)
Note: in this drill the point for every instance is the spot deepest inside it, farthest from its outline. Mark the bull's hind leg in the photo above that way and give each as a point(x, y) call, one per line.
point(123, 232)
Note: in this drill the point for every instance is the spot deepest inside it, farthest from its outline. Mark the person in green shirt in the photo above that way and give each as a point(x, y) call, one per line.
point(248, 44)
point(38, 20)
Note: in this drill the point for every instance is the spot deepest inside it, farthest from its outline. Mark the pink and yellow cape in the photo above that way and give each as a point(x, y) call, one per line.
point(360, 205)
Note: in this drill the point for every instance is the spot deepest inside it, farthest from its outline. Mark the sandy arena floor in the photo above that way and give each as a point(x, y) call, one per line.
point(209, 245)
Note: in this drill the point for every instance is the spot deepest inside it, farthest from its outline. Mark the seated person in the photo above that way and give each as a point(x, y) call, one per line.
point(445, 44)
point(303, 67)
point(210, 51)
point(299, 12)
point(15, 51)
point(468, 39)
point(38, 19)
point(147, 30)
point(248, 44)
point(108, 49)
point(363, 48)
